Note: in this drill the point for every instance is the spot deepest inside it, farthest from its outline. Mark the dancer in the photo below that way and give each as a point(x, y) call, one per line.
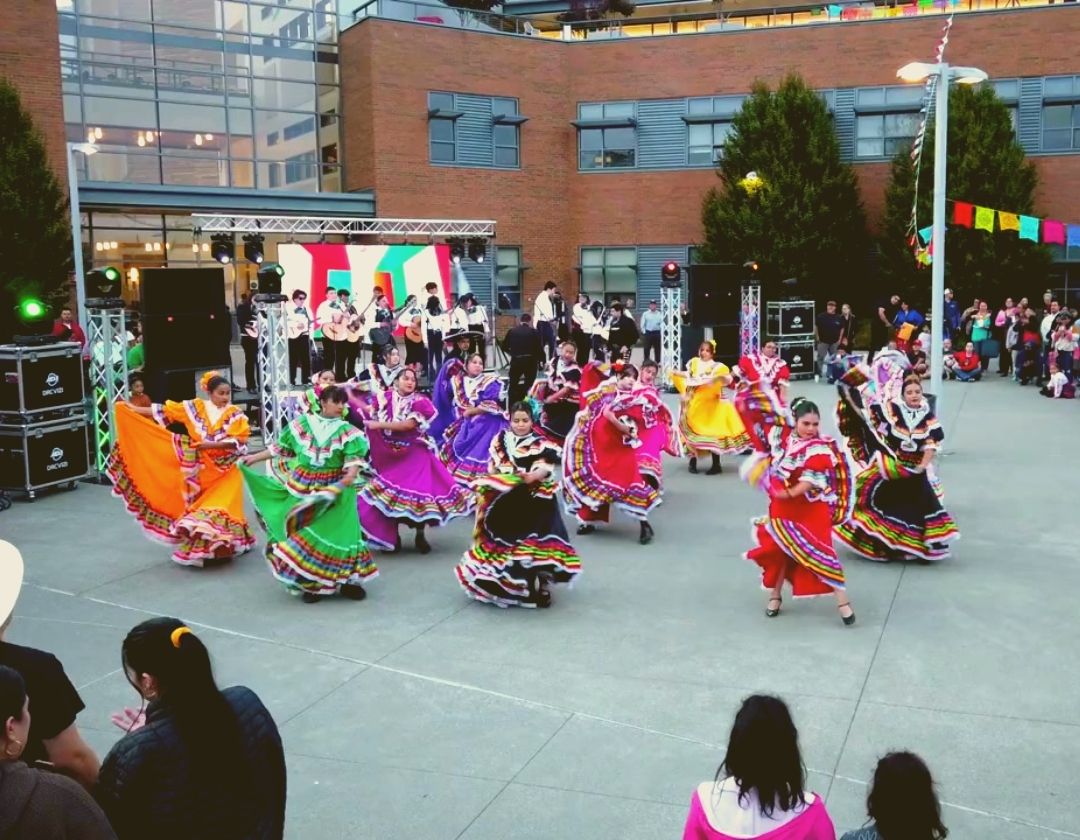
point(766, 367)
point(411, 485)
point(602, 466)
point(707, 422)
point(809, 487)
point(311, 402)
point(520, 545)
point(442, 392)
point(479, 398)
point(184, 489)
point(898, 512)
point(308, 503)
point(658, 435)
point(558, 395)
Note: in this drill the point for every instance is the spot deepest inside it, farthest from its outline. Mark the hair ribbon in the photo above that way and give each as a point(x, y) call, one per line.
point(176, 635)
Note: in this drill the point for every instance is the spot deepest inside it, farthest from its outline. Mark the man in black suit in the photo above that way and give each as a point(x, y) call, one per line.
point(526, 351)
point(623, 334)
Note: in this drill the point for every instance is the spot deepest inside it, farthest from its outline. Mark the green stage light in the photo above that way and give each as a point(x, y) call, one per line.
point(31, 310)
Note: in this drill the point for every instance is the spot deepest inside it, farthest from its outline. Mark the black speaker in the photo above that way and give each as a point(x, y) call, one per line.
point(715, 294)
point(42, 454)
point(181, 383)
point(170, 291)
point(186, 340)
point(800, 358)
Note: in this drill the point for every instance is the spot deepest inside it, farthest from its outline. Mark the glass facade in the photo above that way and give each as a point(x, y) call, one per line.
point(208, 93)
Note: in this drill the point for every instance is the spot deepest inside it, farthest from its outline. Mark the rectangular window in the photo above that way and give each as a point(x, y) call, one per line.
point(300, 168)
point(1008, 91)
point(609, 272)
point(505, 138)
point(442, 132)
point(298, 129)
point(886, 120)
point(709, 127)
point(508, 273)
point(612, 147)
point(1061, 114)
point(272, 138)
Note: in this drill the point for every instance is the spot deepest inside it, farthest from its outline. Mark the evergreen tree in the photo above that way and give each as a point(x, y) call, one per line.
point(986, 166)
point(35, 236)
point(802, 217)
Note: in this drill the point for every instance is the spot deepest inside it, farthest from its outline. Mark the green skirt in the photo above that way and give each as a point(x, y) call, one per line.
point(314, 542)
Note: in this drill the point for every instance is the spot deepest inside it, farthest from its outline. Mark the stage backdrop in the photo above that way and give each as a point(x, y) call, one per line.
point(401, 270)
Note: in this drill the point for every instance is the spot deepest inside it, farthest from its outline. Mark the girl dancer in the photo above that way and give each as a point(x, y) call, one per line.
point(311, 403)
point(559, 394)
point(442, 392)
point(308, 503)
point(708, 422)
point(766, 367)
point(809, 489)
point(184, 489)
point(898, 513)
point(658, 435)
point(410, 484)
point(520, 545)
point(479, 398)
point(602, 466)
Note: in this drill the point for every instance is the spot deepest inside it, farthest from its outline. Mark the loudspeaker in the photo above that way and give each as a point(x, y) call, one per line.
point(800, 358)
point(186, 340)
point(180, 384)
point(42, 454)
point(170, 291)
point(715, 294)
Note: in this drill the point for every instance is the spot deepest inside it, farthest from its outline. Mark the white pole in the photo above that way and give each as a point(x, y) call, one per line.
point(76, 236)
point(937, 274)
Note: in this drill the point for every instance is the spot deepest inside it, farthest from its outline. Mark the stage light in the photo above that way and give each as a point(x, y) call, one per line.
point(253, 248)
point(221, 248)
point(269, 279)
point(670, 275)
point(477, 249)
point(457, 250)
point(103, 283)
point(32, 310)
point(34, 320)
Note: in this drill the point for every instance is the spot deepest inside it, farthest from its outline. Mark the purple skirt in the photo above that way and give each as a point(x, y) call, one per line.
point(466, 451)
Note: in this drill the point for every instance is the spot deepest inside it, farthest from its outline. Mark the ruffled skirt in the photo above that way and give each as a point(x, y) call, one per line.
point(794, 543)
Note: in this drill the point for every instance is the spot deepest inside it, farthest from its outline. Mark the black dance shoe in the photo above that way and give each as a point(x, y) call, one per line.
point(647, 533)
point(354, 592)
point(847, 619)
point(585, 529)
point(715, 469)
point(771, 613)
point(422, 545)
point(310, 597)
point(693, 466)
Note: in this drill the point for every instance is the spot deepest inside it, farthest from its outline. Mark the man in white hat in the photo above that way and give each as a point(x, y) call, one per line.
point(54, 702)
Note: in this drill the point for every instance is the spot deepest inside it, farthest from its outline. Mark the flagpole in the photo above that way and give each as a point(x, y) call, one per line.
point(937, 265)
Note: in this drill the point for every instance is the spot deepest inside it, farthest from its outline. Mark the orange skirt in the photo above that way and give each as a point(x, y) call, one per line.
point(178, 494)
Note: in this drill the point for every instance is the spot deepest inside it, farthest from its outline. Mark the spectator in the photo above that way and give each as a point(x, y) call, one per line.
point(650, 329)
point(582, 326)
point(847, 328)
point(902, 802)
point(1058, 386)
point(967, 367)
point(881, 327)
point(1028, 364)
point(1013, 328)
point(760, 789)
point(137, 391)
point(827, 329)
point(544, 319)
point(906, 321)
point(951, 322)
point(66, 328)
point(1046, 327)
point(948, 360)
point(838, 364)
point(968, 314)
point(203, 762)
point(34, 803)
point(1065, 344)
point(53, 735)
point(920, 366)
point(982, 323)
point(622, 334)
point(1001, 328)
point(524, 347)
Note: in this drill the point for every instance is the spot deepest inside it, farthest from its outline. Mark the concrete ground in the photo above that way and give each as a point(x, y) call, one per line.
point(420, 714)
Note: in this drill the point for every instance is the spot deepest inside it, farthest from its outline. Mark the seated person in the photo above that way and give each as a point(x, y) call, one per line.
point(919, 364)
point(967, 364)
point(837, 365)
point(1058, 387)
point(948, 360)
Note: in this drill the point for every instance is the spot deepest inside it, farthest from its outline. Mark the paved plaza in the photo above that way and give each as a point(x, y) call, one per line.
point(419, 714)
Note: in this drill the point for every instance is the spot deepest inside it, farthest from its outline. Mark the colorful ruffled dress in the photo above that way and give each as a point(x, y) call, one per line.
point(314, 539)
point(442, 396)
point(769, 371)
point(657, 436)
point(708, 422)
point(601, 466)
point(898, 509)
point(467, 441)
point(795, 538)
point(411, 484)
point(187, 497)
point(519, 536)
point(557, 417)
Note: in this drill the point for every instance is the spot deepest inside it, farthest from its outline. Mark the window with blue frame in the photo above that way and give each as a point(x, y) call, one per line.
point(470, 130)
point(607, 273)
point(505, 132)
point(442, 133)
point(607, 135)
point(708, 121)
point(508, 277)
point(1061, 114)
point(886, 120)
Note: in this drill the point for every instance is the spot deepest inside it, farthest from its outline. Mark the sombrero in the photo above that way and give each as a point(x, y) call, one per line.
point(11, 578)
point(458, 332)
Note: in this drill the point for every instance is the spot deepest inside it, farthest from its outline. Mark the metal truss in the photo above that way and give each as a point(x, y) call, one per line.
point(272, 364)
point(326, 225)
point(670, 333)
point(750, 320)
point(107, 340)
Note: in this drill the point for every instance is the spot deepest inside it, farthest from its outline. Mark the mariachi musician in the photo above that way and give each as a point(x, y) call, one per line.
point(298, 325)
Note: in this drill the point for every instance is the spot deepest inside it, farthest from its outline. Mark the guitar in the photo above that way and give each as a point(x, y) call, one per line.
point(298, 324)
point(355, 327)
point(337, 329)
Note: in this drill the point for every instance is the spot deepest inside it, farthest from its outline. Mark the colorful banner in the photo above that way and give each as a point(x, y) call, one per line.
point(400, 270)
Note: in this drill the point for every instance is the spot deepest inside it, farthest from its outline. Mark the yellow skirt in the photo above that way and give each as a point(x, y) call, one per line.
point(179, 495)
point(709, 423)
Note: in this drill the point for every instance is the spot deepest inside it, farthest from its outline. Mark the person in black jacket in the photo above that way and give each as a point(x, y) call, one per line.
point(623, 333)
point(525, 348)
point(203, 763)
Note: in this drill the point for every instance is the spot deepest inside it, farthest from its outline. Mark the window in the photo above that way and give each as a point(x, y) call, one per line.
point(508, 271)
point(1061, 114)
point(709, 124)
point(609, 272)
point(299, 168)
point(505, 132)
point(1008, 91)
point(272, 138)
point(298, 129)
point(442, 133)
point(607, 146)
point(886, 120)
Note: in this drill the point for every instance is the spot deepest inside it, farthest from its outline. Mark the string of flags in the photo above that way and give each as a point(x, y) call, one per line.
point(974, 216)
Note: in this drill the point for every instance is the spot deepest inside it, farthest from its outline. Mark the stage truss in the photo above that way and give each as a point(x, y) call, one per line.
point(340, 226)
point(106, 329)
point(272, 364)
point(670, 332)
point(750, 320)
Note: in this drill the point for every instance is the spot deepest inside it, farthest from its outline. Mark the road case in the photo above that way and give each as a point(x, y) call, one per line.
point(39, 455)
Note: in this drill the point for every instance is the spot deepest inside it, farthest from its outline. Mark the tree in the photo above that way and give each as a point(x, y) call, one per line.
point(986, 166)
point(35, 237)
point(801, 216)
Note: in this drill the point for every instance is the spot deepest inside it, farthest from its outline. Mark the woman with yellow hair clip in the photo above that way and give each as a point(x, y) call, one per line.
point(707, 422)
point(185, 489)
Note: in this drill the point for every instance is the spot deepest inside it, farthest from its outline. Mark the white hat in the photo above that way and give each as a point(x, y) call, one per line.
point(11, 578)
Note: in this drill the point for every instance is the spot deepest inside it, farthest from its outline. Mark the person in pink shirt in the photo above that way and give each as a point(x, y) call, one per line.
point(760, 789)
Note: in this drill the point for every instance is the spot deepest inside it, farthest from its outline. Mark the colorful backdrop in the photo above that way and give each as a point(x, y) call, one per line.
point(401, 270)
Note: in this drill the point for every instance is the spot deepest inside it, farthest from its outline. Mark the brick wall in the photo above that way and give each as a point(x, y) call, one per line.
point(552, 209)
point(30, 42)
